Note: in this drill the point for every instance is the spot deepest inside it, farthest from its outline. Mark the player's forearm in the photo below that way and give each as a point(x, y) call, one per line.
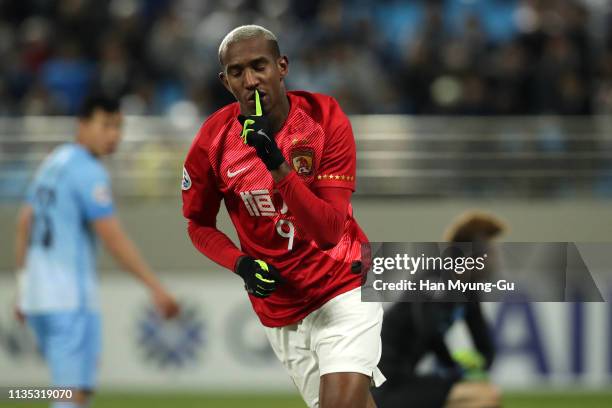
point(442, 353)
point(22, 235)
point(214, 244)
point(321, 221)
point(21, 239)
point(127, 255)
point(283, 171)
point(125, 252)
point(480, 332)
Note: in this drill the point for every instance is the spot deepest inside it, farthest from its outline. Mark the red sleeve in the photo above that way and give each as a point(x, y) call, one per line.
point(338, 163)
point(214, 244)
point(322, 217)
point(201, 202)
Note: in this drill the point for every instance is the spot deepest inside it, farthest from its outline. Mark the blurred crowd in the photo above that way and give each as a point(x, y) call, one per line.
point(468, 57)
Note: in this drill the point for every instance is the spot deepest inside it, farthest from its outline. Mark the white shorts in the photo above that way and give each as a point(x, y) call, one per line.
point(343, 335)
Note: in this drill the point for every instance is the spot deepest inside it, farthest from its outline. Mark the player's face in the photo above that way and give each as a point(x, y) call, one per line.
point(102, 132)
point(249, 65)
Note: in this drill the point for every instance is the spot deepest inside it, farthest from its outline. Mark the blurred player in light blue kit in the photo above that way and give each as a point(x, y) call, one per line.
point(69, 206)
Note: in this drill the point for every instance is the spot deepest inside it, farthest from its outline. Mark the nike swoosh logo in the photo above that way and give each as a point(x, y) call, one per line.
point(262, 133)
point(231, 174)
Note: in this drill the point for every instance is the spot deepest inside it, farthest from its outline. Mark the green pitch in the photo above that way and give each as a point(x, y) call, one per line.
point(511, 400)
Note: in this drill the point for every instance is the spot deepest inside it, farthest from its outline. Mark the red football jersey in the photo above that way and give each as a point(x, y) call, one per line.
point(318, 143)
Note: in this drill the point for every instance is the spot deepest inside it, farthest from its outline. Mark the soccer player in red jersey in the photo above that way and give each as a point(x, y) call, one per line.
point(284, 165)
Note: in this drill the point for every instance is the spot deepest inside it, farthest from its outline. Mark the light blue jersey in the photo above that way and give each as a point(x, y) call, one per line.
point(70, 190)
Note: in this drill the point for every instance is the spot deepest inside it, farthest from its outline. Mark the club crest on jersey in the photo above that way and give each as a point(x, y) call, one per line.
point(186, 183)
point(301, 160)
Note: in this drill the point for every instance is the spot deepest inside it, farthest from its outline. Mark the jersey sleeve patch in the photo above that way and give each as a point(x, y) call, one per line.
point(186, 183)
point(101, 194)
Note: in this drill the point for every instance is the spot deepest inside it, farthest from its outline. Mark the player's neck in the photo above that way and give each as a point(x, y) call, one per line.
point(85, 146)
point(279, 115)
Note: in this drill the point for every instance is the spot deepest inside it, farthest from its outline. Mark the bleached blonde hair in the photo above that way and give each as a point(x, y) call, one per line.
point(246, 32)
